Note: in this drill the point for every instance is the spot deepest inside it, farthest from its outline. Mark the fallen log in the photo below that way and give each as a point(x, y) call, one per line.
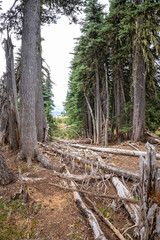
point(123, 191)
point(98, 234)
point(131, 200)
point(80, 178)
point(105, 220)
point(126, 174)
point(153, 135)
point(115, 151)
point(47, 163)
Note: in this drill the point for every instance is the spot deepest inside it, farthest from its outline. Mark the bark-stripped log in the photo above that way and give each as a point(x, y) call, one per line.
point(115, 151)
point(153, 135)
point(122, 191)
point(126, 174)
point(96, 194)
point(149, 227)
point(47, 163)
point(105, 220)
point(80, 178)
point(98, 234)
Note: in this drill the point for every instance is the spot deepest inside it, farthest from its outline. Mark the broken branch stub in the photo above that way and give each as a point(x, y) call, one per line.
point(149, 226)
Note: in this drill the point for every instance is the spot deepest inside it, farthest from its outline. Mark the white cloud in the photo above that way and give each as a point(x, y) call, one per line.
point(58, 44)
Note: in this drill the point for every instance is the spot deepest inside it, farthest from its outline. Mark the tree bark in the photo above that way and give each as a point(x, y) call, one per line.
point(31, 23)
point(6, 174)
point(12, 106)
point(92, 116)
point(139, 91)
point(97, 105)
point(107, 107)
point(41, 124)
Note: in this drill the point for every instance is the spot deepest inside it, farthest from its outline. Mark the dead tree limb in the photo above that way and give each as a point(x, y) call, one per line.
point(149, 227)
point(130, 200)
point(47, 163)
point(98, 234)
point(123, 192)
point(105, 220)
point(115, 151)
point(80, 178)
point(153, 135)
point(126, 174)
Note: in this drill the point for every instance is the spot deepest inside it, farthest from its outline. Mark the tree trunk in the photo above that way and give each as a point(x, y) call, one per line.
point(139, 91)
point(92, 116)
point(97, 105)
point(117, 93)
point(6, 175)
point(13, 115)
point(107, 107)
point(41, 124)
point(31, 23)
point(3, 116)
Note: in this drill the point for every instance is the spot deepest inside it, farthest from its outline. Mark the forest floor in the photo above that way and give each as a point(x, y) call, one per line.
point(51, 212)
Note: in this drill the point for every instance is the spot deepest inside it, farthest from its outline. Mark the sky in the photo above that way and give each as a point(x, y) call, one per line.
point(57, 48)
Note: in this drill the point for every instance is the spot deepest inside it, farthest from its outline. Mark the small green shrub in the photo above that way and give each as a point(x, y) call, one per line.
point(16, 221)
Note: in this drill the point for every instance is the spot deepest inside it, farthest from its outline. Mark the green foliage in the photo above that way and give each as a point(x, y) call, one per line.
point(17, 220)
point(107, 212)
point(63, 130)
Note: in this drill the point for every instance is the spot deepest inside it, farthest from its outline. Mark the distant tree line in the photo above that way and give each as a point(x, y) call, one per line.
point(114, 86)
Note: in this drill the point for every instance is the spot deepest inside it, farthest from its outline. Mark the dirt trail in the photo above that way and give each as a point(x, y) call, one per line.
point(58, 216)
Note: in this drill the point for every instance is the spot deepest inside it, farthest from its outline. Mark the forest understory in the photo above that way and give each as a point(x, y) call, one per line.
point(40, 204)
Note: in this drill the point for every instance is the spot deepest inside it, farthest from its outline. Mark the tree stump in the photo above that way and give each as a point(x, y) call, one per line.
point(149, 226)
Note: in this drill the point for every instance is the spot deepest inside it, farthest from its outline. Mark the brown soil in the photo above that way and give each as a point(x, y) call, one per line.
point(59, 217)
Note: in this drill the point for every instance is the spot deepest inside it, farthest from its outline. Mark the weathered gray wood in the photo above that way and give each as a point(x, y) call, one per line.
point(105, 220)
point(149, 226)
point(132, 209)
point(98, 234)
point(12, 105)
point(6, 174)
point(47, 163)
point(126, 174)
point(115, 151)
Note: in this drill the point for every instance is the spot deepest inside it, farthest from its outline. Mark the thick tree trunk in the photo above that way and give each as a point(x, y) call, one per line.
point(6, 175)
point(3, 118)
point(41, 124)
point(13, 115)
point(139, 92)
point(31, 23)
